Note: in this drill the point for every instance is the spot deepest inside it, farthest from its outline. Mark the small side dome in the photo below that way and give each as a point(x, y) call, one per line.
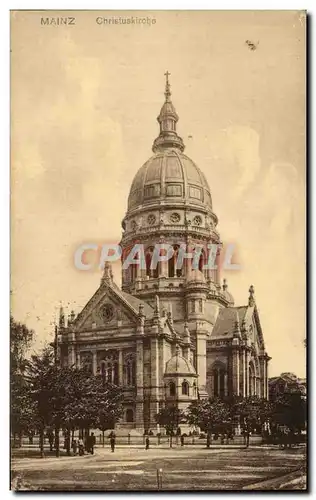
point(196, 276)
point(177, 365)
point(228, 296)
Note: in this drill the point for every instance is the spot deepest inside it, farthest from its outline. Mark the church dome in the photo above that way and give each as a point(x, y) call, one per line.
point(172, 176)
point(177, 365)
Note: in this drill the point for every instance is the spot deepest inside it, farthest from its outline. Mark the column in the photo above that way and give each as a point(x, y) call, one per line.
point(72, 355)
point(266, 378)
point(120, 368)
point(225, 385)
point(139, 384)
point(94, 361)
point(218, 383)
point(247, 375)
point(236, 384)
point(262, 377)
point(162, 364)
point(258, 386)
point(201, 359)
point(244, 373)
point(212, 384)
point(154, 382)
point(78, 358)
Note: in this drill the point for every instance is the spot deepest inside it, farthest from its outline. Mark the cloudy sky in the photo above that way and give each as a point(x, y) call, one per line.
point(84, 102)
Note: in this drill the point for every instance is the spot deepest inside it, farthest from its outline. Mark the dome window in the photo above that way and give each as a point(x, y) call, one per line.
point(174, 189)
point(195, 192)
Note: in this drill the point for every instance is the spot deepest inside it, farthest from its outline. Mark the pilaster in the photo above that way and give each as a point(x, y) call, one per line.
point(236, 369)
point(139, 383)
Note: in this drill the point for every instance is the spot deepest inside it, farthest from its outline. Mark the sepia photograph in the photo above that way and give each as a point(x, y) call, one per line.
point(158, 250)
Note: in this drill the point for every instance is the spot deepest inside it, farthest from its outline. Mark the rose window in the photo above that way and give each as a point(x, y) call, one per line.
point(107, 312)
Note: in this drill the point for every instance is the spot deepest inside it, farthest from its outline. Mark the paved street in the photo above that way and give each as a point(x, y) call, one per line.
point(136, 469)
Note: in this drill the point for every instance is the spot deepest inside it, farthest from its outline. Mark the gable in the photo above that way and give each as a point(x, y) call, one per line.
point(109, 308)
point(226, 320)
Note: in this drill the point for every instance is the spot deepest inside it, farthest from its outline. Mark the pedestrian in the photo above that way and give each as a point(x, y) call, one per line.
point(92, 443)
point(147, 443)
point(112, 441)
point(247, 437)
point(208, 440)
point(81, 447)
point(74, 446)
point(182, 440)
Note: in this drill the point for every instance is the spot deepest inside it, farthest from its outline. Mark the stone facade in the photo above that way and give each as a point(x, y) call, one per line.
point(171, 334)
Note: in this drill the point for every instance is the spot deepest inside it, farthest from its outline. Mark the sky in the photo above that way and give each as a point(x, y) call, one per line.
point(84, 102)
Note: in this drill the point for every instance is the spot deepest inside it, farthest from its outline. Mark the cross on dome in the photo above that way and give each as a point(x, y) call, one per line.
point(167, 91)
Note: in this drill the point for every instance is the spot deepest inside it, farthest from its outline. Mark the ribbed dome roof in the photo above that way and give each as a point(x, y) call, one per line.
point(196, 276)
point(178, 365)
point(169, 175)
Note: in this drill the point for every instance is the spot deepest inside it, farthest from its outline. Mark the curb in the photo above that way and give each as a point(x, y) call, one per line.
point(277, 482)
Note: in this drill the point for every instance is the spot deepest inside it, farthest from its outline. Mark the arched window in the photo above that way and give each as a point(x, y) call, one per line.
point(172, 389)
point(200, 305)
point(252, 379)
point(109, 367)
point(173, 270)
point(219, 373)
point(130, 370)
point(86, 362)
point(148, 257)
point(129, 415)
point(133, 269)
point(185, 388)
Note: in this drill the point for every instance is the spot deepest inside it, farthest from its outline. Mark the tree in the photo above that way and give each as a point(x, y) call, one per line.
point(69, 398)
point(252, 412)
point(170, 417)
point(290, 411)
point(211, 415)
point(41, 373)
point(21, 339)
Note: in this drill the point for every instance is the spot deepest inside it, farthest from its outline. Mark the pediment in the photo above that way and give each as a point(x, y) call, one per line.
point(106, 309)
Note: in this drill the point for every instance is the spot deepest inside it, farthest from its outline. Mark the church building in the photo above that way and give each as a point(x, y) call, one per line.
point(169, 335)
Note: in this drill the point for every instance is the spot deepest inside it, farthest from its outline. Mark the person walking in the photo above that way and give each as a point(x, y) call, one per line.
point(81, 447)
point(92, 443)
point(208, 440)
point(74, 446)
point(112, 441)
point(182, 440)
point(147, 443)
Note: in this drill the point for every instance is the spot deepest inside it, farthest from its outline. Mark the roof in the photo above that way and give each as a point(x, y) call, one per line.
point(177, 365)
point(135, 303)
point(169, 174)
point(226, 319)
